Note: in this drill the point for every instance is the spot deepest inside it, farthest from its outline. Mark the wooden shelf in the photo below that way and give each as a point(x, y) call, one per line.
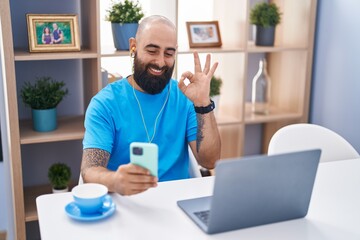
point(107, 51)
point(30, 195)
point(274, 115)
point(227, 120)
point(23, 55)
point(111, 52)
point(69, 128)
point(251, 48)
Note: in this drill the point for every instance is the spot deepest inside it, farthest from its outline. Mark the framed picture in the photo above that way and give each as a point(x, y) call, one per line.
point(204, 34)
point(53, 32)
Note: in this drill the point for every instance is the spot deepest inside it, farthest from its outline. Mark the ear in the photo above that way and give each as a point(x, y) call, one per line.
point(132, 44)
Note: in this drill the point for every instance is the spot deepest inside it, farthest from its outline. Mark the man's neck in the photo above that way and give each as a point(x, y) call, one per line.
point(133, 83)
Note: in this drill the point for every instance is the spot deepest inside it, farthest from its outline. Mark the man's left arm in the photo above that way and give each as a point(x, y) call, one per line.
point(207, 146)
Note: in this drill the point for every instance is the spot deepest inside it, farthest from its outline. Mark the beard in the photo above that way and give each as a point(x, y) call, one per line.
point(150, 83)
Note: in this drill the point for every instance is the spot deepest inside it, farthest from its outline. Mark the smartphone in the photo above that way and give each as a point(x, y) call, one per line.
point(145, 155)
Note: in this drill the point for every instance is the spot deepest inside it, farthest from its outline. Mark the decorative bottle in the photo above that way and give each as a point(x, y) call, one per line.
point(260, 97)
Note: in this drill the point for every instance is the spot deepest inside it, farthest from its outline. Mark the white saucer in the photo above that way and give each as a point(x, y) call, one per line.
point(73, 211)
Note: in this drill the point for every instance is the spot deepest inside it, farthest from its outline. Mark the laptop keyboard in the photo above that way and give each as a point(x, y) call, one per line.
point(203, 216)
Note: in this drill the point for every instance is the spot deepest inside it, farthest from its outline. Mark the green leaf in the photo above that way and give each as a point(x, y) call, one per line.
point(59, 175)
point(265, 14)
point(125, 12)
point(215, 85)
point(44, 94)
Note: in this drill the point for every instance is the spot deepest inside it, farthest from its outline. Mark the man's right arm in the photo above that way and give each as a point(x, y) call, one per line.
point(128, 179)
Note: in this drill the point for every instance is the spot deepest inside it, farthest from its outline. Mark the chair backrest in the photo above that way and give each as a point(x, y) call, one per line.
point(305, 136)
point(194, 169)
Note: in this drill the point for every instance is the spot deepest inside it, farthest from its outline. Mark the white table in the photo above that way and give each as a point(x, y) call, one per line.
point(334, 212)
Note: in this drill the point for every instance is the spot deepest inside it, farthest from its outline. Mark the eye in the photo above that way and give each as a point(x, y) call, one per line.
point(151, 52)
point(169, 54)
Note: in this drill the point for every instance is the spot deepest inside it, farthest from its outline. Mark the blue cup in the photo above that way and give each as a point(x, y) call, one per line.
point(91, 197)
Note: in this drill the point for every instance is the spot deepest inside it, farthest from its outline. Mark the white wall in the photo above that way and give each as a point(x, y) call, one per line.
point(6, 206)
point(3, 215)
point(336, 70)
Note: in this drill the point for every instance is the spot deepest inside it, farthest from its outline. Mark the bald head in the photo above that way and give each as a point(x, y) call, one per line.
point(151, 21)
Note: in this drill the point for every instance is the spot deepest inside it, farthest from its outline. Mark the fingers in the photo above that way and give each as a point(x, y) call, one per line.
point(207, 64)
point(197, 63)
point(213, 69)
point(131, 179)
point(187, 75)
point(206, 69)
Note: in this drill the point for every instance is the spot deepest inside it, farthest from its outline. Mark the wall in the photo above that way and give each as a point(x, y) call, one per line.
point(3, 215)
point(336, 70)
point(6, 206)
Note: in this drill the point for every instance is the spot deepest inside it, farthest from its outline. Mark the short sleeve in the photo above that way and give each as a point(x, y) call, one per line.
point(191, 125)
point(99, 127)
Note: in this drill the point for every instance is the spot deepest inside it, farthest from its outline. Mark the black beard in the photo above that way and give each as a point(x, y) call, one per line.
point(148, 82)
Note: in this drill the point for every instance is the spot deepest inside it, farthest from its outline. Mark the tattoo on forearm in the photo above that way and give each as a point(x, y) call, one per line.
point(200, 134)
point(93, 157)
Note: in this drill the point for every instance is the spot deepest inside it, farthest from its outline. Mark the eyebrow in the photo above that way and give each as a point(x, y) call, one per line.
point(157, 46)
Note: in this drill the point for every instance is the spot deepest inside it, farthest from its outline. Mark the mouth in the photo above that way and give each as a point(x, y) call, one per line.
point(155, 71)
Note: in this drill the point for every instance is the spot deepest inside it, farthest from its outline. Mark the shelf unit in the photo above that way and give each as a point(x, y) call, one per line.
point(289, 65)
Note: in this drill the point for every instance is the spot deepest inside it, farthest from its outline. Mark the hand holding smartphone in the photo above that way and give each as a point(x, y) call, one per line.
point(145, 155)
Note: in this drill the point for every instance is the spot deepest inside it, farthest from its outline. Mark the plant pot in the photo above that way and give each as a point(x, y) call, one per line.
point(121, 34)
point(60, 190)
point(216, 100)
point(44, 120)
point(265, 36)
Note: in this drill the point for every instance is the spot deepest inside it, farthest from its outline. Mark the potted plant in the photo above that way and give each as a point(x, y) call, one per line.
point(43, 97)
point(124, 18)
point(265, 16)
point(59, 175)
point(215, 85)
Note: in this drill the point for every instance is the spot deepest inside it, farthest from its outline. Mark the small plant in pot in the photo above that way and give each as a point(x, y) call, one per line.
point(43, 97)
point(59, 175)
point(124, 18)
point(265, 16)
point(215, 85)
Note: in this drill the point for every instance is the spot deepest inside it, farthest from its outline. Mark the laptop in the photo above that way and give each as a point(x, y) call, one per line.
point(253, 191)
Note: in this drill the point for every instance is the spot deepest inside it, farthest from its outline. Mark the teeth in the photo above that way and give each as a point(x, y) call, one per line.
point(156, 70)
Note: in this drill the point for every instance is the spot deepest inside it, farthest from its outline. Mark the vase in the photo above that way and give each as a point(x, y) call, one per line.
point(265, 36)
point(122, 32)
point(260, 97)
point(60, 190)
point(44, 120)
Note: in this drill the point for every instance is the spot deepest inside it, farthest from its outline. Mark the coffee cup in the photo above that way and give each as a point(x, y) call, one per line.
point(90, 197)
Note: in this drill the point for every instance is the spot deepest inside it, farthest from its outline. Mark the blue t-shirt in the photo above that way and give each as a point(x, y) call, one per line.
point(113, 121)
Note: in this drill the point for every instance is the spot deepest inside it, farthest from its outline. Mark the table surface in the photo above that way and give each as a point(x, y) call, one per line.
point(334, 212)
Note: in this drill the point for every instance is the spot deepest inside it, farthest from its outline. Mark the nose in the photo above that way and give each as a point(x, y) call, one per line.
point(160, 61)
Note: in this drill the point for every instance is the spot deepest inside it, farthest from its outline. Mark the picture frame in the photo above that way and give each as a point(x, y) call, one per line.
point(204, 34)
point(53, 32)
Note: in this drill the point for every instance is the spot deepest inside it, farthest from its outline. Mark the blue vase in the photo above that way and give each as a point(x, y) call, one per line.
point(44, 120)
point(121, 34)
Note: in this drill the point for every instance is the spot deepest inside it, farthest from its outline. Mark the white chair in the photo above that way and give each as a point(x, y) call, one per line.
point(194, 169)
point(303, 136)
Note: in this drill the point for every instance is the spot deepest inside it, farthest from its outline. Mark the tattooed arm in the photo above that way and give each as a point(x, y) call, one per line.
point(207, 146)
point(128, 179)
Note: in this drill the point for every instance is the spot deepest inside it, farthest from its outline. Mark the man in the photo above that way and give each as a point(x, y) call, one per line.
point(149, 106)
point(57, 34)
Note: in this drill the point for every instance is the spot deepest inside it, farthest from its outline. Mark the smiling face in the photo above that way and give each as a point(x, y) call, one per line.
point(154, 61)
